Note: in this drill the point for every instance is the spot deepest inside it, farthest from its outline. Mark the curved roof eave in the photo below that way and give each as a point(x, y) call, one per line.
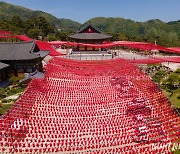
point(90, 36)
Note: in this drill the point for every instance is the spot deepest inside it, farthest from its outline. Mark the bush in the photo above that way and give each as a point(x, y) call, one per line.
point(159, 76)
point(7, 89)
point(12, 91)
point(15, 80)
point(177, 71)
point(2, 92)
point(172, 82)
point(20, 84)
point(4, 101)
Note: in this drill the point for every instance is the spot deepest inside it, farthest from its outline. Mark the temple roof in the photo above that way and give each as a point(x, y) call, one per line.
point(88, 32)
point(3, 65)
point(88, 26)
point(20, 51)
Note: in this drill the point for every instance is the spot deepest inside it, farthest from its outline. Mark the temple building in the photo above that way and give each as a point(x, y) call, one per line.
point(17, 58)
point(89, 35)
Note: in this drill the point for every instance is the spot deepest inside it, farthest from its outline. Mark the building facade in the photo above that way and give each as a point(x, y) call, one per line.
point(21, 57)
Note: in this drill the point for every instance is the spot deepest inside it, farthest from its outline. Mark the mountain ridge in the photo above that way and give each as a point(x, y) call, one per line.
point(8, 10)
point(165, 33)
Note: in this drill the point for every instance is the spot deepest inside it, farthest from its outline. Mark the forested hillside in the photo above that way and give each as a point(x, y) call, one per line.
point(34, 23)
point(167, 34)
point(8, 11)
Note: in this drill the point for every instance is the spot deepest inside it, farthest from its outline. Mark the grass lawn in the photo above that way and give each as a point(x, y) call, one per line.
point(176, 152)
point(5, 107)
point(6, 102)
point(167, 93)
point(13, 91)
point(174, 98)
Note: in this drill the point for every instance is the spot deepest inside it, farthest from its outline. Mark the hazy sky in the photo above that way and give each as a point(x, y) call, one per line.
point(83, 10)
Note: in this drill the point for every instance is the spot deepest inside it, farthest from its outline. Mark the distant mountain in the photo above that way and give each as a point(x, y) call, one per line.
point(127, 26)
point(8, 11)
point(167, 34)
point(126, 29)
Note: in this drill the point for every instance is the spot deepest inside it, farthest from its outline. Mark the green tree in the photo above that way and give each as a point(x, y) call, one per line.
point(63, 36)
point(44, 26)
point(4, 24)
point(122, 37)
point(16, 25)
point(17, 22)
point(51, 37)
point(172, 82)
point(38, 26)
point(142, 30)
point(34, 33)
point(173, 38)
point(158, 76)
point(31, 23)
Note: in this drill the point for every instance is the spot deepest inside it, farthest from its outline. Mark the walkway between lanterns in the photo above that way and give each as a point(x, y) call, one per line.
point(103, 55)
point(110, 54)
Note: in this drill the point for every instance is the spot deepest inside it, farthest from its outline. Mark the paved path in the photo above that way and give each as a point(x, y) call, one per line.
point(120, 54)
point(103, 55)
point(172, 66)
point(13, 96)
point(130, 55)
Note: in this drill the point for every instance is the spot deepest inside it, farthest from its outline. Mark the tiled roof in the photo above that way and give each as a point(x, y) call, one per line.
point(3, 65)
point(90, 36)
point(86, 27)
point(95, 35)
point(19, 51)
